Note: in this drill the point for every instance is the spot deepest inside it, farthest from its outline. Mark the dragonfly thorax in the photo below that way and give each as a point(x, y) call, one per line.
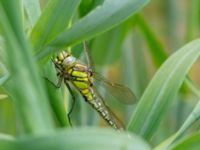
point(68, 61)
point(64, 59)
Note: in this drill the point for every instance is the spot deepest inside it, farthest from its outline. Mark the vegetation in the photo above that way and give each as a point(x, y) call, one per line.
point(150, 46)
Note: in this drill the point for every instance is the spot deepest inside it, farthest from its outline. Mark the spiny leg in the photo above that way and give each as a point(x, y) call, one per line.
point(58, 85)
point(73, 101)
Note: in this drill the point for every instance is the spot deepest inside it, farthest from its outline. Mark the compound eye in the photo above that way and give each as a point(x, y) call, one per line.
point(69, 60)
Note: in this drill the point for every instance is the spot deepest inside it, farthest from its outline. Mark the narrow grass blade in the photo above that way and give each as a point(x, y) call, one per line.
point(193, 87)
point(3, 79)
point(4, 75)
point(87, 5)
point(79, 139)
point(191, 143)
point(134, 77)
point(163, 87)
point(193, 19)
point(193, 117)
point(106, 48)
point(101, 19)
point(25, 84)
point(54, 19)
point(33, 11)
point(55, 96)
point(156, 50)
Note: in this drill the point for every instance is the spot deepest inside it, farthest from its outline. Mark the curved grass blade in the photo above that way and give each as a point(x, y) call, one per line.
point(79, 139)
point(54, 19)
point(4, 75)
point(55, 97)
point(163, 87)
point(106, 47)
point(32, 8)
point(193, 117)
point(155, 48)
point(101, 19)
point(193, 20)
point(4, 79)
point(25, 85)
point(191, 143)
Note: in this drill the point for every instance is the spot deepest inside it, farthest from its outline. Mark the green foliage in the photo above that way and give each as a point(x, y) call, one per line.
point(162, 89)
point(191, 142)
point(26, 97)
point(79, 139)
point(37, 111)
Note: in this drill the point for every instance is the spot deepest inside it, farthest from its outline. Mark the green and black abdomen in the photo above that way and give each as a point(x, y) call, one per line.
point(80, 77)
point(98, 104)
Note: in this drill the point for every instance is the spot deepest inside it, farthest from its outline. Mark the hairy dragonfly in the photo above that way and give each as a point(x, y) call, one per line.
point(82, 76)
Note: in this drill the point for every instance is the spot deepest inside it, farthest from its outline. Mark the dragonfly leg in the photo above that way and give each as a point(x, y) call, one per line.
point(58, 85)
point(73, 101)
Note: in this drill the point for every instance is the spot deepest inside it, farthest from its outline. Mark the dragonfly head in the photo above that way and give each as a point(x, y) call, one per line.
point(64, 59)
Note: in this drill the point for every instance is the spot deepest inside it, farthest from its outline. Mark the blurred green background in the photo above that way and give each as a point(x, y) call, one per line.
point(130, 53)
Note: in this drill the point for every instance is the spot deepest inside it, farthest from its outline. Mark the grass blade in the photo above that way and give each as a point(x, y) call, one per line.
point(103, 18)
point(4, 75)
point(156, 50)
point(25, 84)
point(3, 79)
point(193, 117)
point(54, 19)
point(32, 8)
point(106, 48)
point(163, 87)
point(193, 20)
point(191, 143)
point(79, 139)
point(55, 96)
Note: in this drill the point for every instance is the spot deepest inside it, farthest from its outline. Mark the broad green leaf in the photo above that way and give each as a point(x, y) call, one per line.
point(161, 90)
point(25, 84)
point(54, 19)
point(79, 139)
point(32, 8)
point(101, 19)
point(191, 143)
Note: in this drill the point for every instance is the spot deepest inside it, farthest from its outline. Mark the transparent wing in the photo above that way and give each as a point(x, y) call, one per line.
point(120, 92)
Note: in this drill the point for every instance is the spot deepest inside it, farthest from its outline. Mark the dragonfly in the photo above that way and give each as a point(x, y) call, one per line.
point(82, 77)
